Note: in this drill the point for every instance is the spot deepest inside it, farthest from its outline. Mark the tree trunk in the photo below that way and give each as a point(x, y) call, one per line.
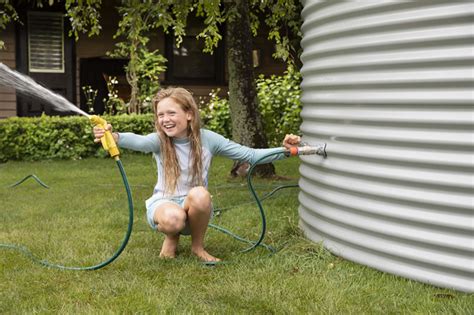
point(247, 127)
point(132, 79)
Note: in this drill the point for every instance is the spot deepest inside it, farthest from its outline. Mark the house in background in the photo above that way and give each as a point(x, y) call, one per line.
point(41, 48)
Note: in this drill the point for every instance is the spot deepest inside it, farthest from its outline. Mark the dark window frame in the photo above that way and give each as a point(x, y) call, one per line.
point(219, 63)
point(61, 83)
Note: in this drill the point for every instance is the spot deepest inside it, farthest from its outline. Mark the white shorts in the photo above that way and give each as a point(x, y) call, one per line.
point(154, 201)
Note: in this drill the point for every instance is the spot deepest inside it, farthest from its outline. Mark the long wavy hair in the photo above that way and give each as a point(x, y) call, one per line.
point(168, 151)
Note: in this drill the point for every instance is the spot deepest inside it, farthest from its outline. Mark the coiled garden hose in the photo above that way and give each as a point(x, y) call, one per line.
point(45, 263)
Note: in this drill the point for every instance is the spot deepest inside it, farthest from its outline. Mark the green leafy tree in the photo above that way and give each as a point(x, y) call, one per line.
point(283, 18)
point(84, 16)
point(7, 15)
point(138, 19)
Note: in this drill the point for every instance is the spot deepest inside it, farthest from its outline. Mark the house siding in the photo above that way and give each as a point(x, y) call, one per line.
point(7, 56)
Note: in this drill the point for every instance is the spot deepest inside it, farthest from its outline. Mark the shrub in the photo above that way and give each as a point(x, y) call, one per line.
point(113, 104)
point(53, 137)
point(279, 104)
point(215, 114)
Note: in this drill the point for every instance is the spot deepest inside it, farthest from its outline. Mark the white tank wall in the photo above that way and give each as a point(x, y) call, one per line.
point(388, 85)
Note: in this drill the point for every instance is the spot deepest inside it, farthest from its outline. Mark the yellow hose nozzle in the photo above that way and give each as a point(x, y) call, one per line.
point(107, 140)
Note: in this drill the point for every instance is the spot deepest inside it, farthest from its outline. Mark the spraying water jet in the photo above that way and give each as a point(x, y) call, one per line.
point(29, 87)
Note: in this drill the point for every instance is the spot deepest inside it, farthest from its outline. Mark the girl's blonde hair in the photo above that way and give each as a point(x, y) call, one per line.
point(168, 152)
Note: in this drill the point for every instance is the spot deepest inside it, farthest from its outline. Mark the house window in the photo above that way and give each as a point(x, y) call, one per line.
point(188, 64)
point(45, 42)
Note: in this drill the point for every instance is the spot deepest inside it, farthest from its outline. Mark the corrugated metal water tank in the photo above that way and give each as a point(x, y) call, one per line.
point(388, 85)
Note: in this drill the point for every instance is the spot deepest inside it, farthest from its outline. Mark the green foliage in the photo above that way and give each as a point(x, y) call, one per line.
point(7, 15)
point(143, 71)
point(139, 18)
point(114, 105)
point(211, 11)
point(53, 137)
point(149, 67)
point(90, 94)
point(215, 114)
point(283, 19)
point(84, 17)
point(279, 104)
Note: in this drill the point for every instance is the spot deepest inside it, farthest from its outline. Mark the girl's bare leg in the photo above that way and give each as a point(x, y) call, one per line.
point(198, 207)
point(171, 219)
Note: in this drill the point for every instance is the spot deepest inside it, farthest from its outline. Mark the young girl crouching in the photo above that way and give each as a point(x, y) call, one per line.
point(181, 203)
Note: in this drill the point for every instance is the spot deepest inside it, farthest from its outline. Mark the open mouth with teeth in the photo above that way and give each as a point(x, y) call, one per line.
point(168, 127)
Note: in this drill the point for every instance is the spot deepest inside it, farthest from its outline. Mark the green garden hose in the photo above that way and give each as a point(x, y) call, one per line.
point(306, 149)
point(30, 176)
point(124, 243)
point(259, 201)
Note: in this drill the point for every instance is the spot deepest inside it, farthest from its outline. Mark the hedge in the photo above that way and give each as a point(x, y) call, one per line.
point(54, 137)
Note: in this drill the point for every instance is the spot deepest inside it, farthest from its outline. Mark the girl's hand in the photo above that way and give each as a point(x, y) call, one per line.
point(100, 132)
point(291, 141)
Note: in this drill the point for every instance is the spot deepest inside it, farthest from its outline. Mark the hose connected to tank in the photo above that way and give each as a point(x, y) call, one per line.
point(303, 150)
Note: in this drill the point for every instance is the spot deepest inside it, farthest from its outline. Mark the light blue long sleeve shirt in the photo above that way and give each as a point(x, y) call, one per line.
point(212, 144)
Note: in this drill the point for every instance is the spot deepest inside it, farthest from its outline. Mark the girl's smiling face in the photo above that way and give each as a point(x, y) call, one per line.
point(172, 119)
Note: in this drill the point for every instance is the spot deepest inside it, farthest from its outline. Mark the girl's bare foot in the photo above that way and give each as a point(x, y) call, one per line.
point(168, 250)
point(204, 256)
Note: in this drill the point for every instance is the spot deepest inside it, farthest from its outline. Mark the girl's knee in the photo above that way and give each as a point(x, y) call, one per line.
point(171, 221)
point(199, 198)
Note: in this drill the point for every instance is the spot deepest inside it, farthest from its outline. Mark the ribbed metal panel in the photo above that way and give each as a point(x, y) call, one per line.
point(389, 86)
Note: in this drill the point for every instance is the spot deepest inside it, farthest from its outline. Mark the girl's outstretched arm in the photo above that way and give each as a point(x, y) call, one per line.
point(128, 140)
point(220, 145)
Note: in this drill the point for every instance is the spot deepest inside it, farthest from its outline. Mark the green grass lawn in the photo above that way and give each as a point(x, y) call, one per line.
point(82, 219)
